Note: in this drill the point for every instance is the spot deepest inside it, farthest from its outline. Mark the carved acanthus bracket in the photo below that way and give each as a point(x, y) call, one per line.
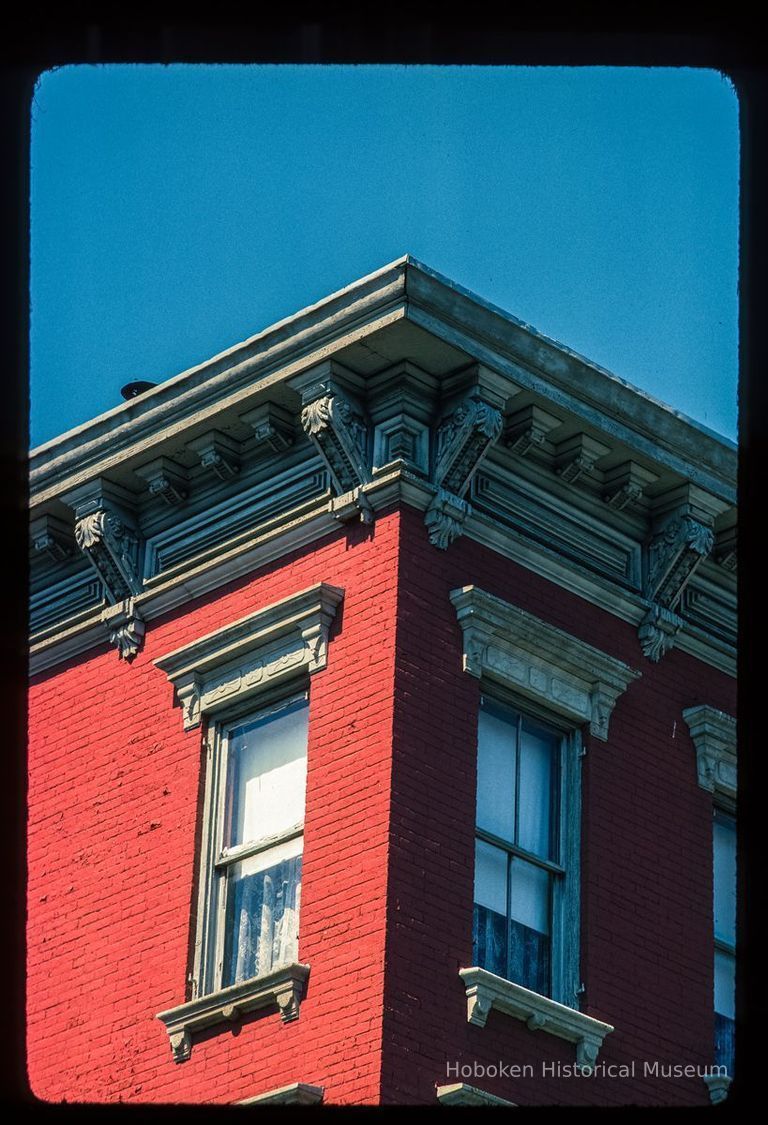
point(165, 479)
point(337, 430)
point(272, 426)
point(112, 551)
point(527, 428)
point(52, 537)
point(674, 554)
point(576, 457)
point(657, 632)
point(126, 628)
point(683, 537)
point(624, 485)
point(445, 518)
point(463, 439)
point(218, 453)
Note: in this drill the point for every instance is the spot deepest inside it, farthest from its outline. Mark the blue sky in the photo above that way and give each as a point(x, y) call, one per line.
point(176, 210)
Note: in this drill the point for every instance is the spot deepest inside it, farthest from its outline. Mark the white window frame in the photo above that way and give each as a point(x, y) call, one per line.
point(220, 679)
point(216, 860)
point(568, 684)
point(565, 906)
point(714, 736)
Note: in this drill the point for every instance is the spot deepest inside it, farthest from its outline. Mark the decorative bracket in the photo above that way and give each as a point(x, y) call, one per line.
point(624, 485)
point(676, 550)
point(166, 480)
point(218, 453)
point(445, 518)
point(657, 632)
point(462, 440)
point(272, 426)
point(576, 457)
point(52, 537)
point(528, 428)
point(337, 430)
point(126, 627)
point(112, 551)
point(674, 554)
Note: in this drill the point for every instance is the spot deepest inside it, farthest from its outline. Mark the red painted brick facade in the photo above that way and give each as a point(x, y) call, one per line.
point(114, 820)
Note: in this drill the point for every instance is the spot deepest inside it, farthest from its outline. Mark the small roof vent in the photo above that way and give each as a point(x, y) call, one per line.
point(133, 390)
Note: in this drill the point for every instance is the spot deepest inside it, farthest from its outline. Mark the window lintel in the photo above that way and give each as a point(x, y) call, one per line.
point(253, 653)
point(505, 643)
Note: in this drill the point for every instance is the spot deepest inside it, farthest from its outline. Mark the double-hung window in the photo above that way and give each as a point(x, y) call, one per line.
point(724, 851)
point(248, 682)
point(520, 852)
point(254, 887)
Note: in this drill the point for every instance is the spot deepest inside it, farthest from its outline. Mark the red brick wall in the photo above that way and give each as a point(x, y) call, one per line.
point(646, 853)
point(114, 797)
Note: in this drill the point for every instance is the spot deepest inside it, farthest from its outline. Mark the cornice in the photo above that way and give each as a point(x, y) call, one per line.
point(278, 441)
point(404, 289)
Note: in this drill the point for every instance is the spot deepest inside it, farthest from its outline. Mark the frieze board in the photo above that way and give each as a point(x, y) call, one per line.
point(276, 641)
point(529, 511)
point(221, 522)
point(312, 521)
point(541, 661)
point(49, 605)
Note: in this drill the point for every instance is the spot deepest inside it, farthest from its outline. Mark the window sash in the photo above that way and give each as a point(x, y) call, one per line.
point(562, 864)
point(219, 859)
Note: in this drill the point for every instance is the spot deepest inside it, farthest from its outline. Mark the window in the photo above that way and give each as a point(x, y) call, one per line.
point(254, 886)
point(519, 873)
point(248, 681)
point(724, 852)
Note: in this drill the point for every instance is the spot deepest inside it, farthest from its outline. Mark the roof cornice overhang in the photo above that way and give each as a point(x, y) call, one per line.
point(403, 290)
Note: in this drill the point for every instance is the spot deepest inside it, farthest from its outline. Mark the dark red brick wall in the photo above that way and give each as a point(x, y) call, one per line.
point(114, 805)
point(114, 795)
point(646, 946)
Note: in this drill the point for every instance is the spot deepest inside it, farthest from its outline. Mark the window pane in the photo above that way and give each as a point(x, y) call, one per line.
point(267, 775)
point(725, 983)
point(538, 760)
point(490, 914)
point(496, 736)
point(725, 879)
point(529, 944)
point(491, 877)
point(725, 1041)
point(262, 914)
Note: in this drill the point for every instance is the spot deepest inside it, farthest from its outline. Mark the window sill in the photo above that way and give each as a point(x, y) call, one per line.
point(718, 1086)
point(298, 1093)
point(284, 987)
point(462, 1094)
point(486, 991)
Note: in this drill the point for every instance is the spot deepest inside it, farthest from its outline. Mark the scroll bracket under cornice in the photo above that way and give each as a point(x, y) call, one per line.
point(673, 555)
